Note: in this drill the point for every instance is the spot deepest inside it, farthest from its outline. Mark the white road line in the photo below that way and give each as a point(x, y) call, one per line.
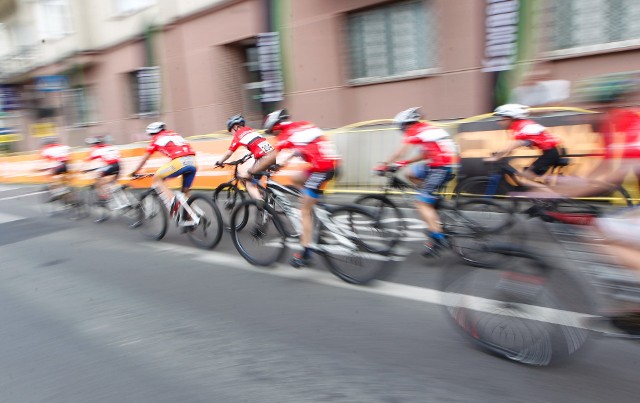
point(396, 290)
point(5, 218)
point(21, 196)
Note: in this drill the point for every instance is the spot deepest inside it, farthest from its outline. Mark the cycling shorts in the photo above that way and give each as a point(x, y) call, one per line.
point(181, 166)
point(108, 170)
point(547, 160)
point(433, 179)
point(60, 169)
point(316, 181)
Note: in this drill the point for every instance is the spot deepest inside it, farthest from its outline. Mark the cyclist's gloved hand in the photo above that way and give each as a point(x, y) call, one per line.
point(218, 164)
point(402, 163)
point(380, 169)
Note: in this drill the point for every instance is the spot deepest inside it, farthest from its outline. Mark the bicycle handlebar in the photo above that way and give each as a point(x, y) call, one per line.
point(242, 160)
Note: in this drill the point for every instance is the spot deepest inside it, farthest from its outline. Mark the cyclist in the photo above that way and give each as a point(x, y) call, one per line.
point(440, 154)
point(619, 127)
point(183, 161)
point(309, 143)
point(246, 137)
point(527, 133)
point(57, 157)
point(108, 173)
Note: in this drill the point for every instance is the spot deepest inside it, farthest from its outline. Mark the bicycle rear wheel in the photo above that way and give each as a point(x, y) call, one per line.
point(350, 249)
point(226, 197)
point(515, 313)
point(154, 216)
point(477, 187)
point(388, 215)
point(208, 232)
point(132, 213)
point(97, 209)
point(262, 241)
point(485, 216)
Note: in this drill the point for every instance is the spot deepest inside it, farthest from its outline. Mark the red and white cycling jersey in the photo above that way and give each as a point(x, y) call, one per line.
point(437, 146)
point(255, 143)
point(56, 152)
point(108, 154)
point(170, 144)
point(310, 144)
point(623, 124)
point(536, 134)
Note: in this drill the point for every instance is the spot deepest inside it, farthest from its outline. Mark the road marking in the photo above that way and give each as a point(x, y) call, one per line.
point(396, 290)
point(5, 218)
point(21, 196)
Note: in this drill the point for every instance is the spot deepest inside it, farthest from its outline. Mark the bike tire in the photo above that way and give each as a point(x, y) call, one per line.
point(486, 216)
point(226, 197)
point(154, 216)
point(132, 214)
point(359, 263)
point(387, 214)
point(262, 241)
point(500, 312)
point(97, 211)
point(208, 232)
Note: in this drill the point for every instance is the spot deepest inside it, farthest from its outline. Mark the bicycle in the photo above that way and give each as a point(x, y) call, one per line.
point(346, 237)
point(468, 224)
point(196, 216)
point(229, 194)
point(61, 197)
point(531, 308)
point(120, 200)
point(503, 179)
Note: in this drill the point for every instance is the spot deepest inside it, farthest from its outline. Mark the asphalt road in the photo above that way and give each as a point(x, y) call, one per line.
point(97, 313)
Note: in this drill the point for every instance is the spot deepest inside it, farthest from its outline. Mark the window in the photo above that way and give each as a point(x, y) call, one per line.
point(54, 18)
point(126, 7)
point(389, 42)
point(586, 25)
point(80, 110)
point(145, 90)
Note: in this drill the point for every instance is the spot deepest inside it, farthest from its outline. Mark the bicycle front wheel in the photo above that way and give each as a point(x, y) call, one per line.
point(154, 216)
point(208, 232)
point(517, 313)
point(388, 215)
point(226, 197)
point(348, 244)
point(262, 241)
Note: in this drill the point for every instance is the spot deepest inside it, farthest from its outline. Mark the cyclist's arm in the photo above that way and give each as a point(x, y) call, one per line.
point(141, 164)
point(503, 153)
point(400, 152)
point(224, 157)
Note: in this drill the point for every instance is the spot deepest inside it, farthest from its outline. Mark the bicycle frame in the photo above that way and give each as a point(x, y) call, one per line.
point(323, 217)
point(235, 180)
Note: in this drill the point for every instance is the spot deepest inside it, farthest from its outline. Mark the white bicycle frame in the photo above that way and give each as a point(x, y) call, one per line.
point(341, 235)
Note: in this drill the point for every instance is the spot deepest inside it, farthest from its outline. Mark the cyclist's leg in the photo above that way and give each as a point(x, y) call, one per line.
point(312, 191)
point(426, 202)
point(182, 166)
point(541, 165)
point(252, 189)
point(417, 174)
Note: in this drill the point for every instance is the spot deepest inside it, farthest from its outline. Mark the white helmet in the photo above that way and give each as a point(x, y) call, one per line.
point(406, 117)
point(155, 128)
point(272, 120)
point(514, 111)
